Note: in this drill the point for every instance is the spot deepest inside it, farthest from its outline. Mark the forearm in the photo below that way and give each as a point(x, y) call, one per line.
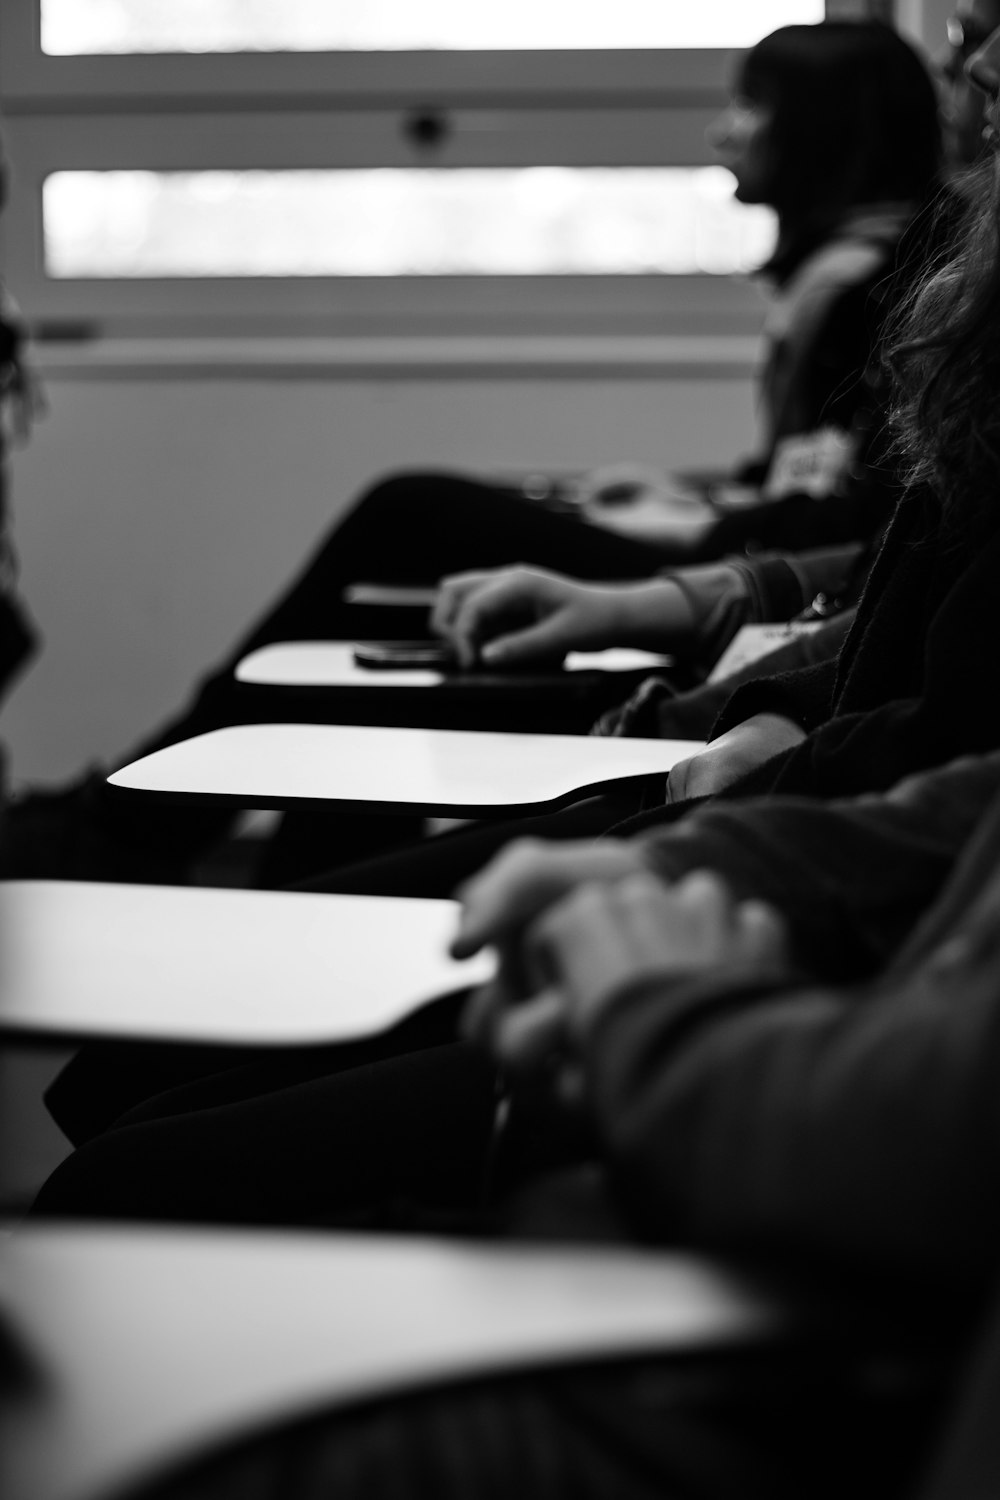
point(656, 615)
point(858, 1124)
point(759, 589)
point(851, 876)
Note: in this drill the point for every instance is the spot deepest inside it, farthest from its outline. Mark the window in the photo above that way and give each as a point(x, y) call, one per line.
point(80, 27)
point(310, 165)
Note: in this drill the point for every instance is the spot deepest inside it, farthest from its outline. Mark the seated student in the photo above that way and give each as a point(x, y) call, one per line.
point(396, 1130)
point(843, 1137)
point(908, 692)
point(810, 101)
point(842, 212)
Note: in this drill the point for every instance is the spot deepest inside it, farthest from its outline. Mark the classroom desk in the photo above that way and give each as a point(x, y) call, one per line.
point(228, 967)
point(148, 1347)
point(444, 772)
point(331, 664)
point(320, 681)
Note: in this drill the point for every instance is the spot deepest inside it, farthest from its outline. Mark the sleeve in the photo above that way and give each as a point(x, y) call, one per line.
point(806, 695)
point(851, 876)
point(756, 590)
point(846, 1126)
point(908, 695)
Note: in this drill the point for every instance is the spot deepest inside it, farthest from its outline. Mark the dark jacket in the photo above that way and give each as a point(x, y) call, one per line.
point(860, 1125)
point(913, 685)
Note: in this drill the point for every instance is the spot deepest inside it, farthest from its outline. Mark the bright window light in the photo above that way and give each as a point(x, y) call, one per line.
point(75, 27)
point(539, 221)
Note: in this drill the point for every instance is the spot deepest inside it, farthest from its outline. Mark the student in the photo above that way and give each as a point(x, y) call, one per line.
point(842, 1137)
point(810, 102)
point(908, 693)
point(395, 1131)
point(841, 214)
point(969, 27)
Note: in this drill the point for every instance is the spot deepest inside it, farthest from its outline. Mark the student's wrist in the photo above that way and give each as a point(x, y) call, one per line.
point(655, 614)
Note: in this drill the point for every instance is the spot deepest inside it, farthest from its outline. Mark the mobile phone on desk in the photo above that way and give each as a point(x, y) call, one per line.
point(398, 655)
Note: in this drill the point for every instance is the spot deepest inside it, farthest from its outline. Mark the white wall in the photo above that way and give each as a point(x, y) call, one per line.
point(155, 511)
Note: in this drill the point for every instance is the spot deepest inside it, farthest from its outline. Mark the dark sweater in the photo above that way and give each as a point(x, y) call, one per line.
point(913, 685)
point(857, 1124)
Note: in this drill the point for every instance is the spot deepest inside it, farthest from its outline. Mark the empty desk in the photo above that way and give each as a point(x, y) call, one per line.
point(149, 1347)
point(446, 772)
point(239, 968)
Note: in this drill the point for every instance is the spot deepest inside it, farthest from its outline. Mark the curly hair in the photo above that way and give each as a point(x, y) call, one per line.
point(943, 353)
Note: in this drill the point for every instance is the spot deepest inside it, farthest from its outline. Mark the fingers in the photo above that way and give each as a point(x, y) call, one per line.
point(515, 886)
point(547, 640)
point(525, 879)
point(475, 607)
point(577, 955)
point(599, 939)
point(530, 1037)
point(764, 935)
point(452, 592)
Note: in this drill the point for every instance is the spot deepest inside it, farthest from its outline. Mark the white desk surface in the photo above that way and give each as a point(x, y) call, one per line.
point(153, 1345)
point(269, 968)
point(317, 664)
point(443, 771)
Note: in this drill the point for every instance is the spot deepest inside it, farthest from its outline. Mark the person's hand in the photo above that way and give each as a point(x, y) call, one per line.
point(504, 899)
point(510, 616)
point(528, 877)
point(602, 938)
point(731, 756)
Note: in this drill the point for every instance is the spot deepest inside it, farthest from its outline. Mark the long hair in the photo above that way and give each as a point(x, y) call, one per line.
point(854, 121)
point(943, 350)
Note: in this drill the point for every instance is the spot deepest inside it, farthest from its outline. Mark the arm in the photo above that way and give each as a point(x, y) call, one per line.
point(516, 615)
point(842, 1124)
point(511, 615)
point(758, 589)
point(744, 1111)
point(850, 877)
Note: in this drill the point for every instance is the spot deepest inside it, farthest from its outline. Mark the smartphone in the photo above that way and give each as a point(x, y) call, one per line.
point(398, 655)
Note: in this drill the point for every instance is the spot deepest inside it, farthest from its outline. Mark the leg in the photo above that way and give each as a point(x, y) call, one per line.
point(413, 528)
point(437, 866)
point(410, 528)
point(271, 1144)
point(104, 1080)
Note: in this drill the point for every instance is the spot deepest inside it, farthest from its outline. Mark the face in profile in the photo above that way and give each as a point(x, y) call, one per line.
point(740, 138)
point(963, 104)
point(983, 73)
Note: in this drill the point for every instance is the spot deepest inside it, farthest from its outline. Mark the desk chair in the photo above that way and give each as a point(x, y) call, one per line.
point(218, 967)
point(128, 1353)
point(320, 682)
point(134, 1350)
point(448, 773)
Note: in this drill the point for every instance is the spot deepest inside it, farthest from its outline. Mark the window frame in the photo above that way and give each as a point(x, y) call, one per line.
point(330, 109)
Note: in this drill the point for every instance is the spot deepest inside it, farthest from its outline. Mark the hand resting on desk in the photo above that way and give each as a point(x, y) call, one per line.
point(513, 616)
point(568, 949)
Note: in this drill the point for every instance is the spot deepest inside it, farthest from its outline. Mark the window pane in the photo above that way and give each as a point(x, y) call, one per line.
point(400, 222)
point(116, 26)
